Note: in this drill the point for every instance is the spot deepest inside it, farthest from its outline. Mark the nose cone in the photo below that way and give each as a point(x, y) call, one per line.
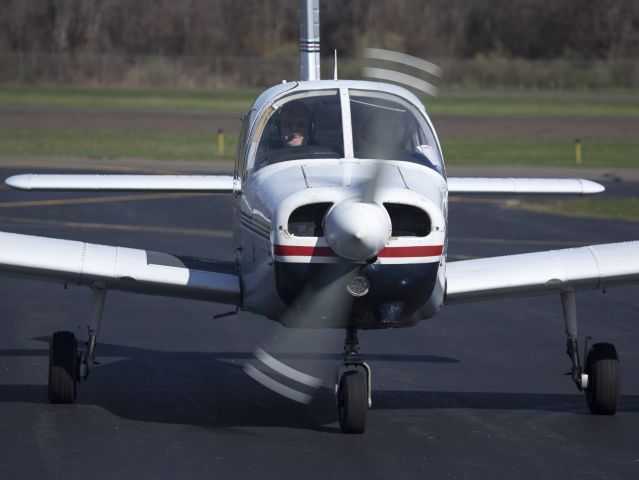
point(357, 231)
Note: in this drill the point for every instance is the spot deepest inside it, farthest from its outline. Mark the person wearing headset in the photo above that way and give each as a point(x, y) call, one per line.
point(294, 124)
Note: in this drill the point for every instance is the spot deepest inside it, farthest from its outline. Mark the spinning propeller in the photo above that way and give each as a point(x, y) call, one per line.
point(356, 229)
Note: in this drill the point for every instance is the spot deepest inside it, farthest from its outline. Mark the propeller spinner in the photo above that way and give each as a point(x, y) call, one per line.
point(357, 230)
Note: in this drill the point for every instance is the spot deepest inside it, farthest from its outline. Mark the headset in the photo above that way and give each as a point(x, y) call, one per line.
point(275, 123)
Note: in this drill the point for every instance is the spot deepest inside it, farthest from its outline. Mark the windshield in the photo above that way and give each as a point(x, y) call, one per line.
point(308, 125)
point(387, 127)
point(302, 126)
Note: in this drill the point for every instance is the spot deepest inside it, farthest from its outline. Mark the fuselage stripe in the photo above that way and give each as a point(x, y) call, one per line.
point(419, 251)
point(301, 251)
point(388, 252)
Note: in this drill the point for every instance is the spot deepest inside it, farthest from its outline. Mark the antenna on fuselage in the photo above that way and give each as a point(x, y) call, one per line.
point(309, 41)
point(335, 66)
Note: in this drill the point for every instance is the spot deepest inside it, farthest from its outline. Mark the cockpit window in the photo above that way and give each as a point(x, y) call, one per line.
point(302, 126)
point(387, 127)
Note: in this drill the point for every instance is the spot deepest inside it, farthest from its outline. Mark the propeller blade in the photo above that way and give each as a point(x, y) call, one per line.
point(293, 362)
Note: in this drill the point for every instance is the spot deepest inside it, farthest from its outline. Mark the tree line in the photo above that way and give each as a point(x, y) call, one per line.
point(531, 29)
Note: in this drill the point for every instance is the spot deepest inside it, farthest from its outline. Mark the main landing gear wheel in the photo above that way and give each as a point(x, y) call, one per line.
point(352, 401)
point(602, 368)
point(63, 367)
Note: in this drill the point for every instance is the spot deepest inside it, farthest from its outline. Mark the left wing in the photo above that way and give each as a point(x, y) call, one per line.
point(118, 268)
point(584, 268)
point(569, 186)
point(118, 183)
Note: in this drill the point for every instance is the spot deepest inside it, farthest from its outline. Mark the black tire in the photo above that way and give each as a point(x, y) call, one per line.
point(352, 401)
point(602, 367)
point(63, 367)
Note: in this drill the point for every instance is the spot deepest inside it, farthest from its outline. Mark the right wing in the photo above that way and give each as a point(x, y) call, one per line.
point(118, 183)
point(118, 268)
point(584, 268)
point(567, 186)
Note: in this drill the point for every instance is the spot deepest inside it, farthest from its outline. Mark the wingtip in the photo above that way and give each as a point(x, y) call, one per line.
point(588, 187)
point(20, 182)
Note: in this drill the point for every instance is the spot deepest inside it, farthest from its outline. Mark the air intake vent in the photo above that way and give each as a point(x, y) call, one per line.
point(408, 221)
point(306, 221)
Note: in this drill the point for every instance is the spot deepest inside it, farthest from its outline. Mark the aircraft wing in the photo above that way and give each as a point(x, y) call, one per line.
point(117, 183)
point(584, 268)
point(224, 184)
point(569, 186)
point(118, 268)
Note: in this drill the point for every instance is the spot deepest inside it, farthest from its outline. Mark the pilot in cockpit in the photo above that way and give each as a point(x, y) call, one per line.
point(294, 124)
point(308, 128)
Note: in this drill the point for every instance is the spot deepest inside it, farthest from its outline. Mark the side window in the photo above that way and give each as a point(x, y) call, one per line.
point(242, 146)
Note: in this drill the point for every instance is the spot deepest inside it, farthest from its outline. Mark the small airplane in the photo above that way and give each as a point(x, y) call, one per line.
point(341, 198)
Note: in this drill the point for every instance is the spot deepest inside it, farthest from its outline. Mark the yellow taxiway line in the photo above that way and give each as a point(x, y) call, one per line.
point(105, 199)
point(116, 226)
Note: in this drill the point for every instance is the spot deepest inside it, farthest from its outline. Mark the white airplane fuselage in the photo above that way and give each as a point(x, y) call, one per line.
point(406, 275)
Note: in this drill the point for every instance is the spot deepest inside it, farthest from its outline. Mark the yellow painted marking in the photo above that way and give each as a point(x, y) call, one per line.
point(120, 227)
point(220, 142)
point(578, 152)
point(107, 199)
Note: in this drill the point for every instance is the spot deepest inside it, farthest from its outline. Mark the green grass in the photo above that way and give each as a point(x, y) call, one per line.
point(480, 103)
point(555, 152)
point(609, 208)
point(32, 97)
point(176, 146)
point(112, 144)
point(530, 104)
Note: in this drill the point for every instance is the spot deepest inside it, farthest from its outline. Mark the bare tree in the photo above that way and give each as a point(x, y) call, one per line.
point(434, 28)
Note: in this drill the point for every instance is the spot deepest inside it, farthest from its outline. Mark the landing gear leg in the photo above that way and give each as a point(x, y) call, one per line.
point(569, 306)
point(353, 387)
point(600, 378)
point(87, 360)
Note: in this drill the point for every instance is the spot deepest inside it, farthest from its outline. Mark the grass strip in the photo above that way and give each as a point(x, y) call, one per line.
point(480, 103)
point(114, 144)
point(608, 208)
point(531, 105)
point(176, 146)
point(85, 98)
point(552, 152)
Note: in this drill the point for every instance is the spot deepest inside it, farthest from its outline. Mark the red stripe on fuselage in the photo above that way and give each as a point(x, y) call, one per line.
point(300, 251)
point(388, 252)
point(421, 251)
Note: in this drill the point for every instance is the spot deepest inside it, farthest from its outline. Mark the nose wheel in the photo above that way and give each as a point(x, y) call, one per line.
point(353, 387)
